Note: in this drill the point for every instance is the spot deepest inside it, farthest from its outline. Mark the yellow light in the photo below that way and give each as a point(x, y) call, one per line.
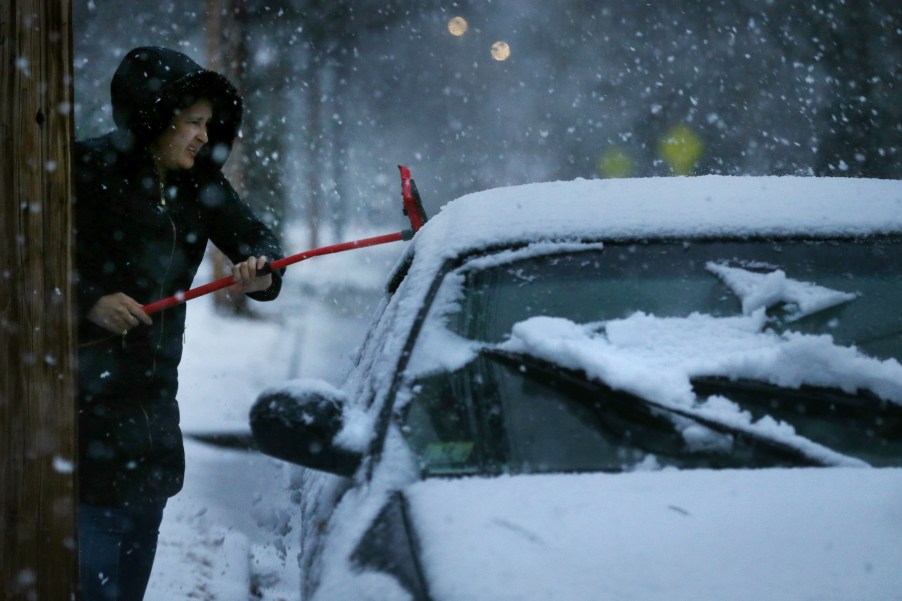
point(458, 26)
point(615, 162)
point(501, 51)
point(681, 149)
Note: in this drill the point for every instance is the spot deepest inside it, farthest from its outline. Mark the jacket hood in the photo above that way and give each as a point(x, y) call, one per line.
point(151, 83)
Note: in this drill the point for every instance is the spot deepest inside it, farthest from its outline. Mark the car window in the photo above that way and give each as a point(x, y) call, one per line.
point(491, 416)
point(673, 279)
point(487, 418)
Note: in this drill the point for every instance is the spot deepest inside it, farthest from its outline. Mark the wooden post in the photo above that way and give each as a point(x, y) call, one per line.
point(38, 550)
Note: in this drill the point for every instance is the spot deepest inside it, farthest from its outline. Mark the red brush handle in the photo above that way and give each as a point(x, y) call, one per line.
point(413, 208)
point(227, 281)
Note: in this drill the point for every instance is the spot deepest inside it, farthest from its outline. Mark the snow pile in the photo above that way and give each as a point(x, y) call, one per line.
point(655, 357)
point(763, 290)
point(231, 530)
point(217, 558)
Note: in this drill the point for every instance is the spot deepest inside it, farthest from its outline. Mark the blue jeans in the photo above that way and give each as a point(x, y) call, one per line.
point(116, 548)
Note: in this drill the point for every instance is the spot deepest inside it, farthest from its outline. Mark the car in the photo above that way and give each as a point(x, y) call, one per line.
point(666, 388)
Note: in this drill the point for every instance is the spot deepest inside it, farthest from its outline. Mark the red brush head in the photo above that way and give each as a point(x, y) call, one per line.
point(413, 206)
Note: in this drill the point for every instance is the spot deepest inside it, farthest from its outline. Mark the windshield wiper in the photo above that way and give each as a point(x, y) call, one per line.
point(815, 398)
point(547, 372)
point(856, 424)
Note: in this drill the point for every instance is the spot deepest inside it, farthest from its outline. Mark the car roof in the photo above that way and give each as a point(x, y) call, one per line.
point(703, 207)
point(685, 207)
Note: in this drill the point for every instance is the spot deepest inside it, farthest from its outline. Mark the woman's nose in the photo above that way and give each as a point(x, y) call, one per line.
point(202, 135)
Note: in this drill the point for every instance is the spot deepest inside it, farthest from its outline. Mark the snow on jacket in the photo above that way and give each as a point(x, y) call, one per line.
point(146, 238)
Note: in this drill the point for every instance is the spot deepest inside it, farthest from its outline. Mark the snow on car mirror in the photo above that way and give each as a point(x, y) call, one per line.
point(299, 422)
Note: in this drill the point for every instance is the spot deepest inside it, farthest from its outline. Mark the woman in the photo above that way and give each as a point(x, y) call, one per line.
point(150, 195)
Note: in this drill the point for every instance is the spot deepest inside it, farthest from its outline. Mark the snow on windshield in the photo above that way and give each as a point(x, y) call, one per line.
point(757, 290)
point(655, 358)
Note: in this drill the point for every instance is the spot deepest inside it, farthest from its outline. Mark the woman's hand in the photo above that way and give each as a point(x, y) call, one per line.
point(118, 313)
point(246, 278)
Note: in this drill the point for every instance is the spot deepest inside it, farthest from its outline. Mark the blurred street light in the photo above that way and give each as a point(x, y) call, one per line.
point(501, 51)
point(458, 26)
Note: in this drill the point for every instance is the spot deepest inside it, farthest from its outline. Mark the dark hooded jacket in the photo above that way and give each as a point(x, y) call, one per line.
point(145, 237)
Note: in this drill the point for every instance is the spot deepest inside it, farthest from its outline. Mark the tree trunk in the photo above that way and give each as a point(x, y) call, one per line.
point(314, 168)
point(339, 210)
point(38, 551)
point(226, 54)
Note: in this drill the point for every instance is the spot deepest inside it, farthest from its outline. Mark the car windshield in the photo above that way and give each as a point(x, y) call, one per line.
point(542, 410)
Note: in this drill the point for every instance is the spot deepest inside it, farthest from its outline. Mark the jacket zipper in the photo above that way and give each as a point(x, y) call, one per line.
point(147, 420)
point(166, 273)
point(162, 315)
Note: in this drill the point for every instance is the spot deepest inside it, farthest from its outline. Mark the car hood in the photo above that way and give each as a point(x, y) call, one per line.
point(816, 533)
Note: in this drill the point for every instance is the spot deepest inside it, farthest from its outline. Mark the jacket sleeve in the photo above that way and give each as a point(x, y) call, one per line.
point(237, 232)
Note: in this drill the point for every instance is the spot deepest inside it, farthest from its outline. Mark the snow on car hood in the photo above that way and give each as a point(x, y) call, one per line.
point(776, 534)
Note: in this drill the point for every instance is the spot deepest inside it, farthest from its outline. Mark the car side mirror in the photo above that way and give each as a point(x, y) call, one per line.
point(298, 424)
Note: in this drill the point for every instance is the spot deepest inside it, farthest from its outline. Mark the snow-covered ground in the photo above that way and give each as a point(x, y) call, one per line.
point(230, 534)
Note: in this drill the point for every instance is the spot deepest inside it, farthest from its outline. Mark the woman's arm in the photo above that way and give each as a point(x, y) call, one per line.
point(242, 237)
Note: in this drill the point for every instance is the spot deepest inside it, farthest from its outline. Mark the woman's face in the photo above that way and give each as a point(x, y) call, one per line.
point(178, 145)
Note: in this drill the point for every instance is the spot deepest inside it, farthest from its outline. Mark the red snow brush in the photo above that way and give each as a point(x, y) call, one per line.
point(413, 208)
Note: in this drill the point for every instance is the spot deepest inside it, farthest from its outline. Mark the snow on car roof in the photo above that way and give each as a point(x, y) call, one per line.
point(706, 206)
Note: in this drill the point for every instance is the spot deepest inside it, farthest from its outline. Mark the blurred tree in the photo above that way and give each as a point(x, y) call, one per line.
point(857, 48)
point(325, 29)
point(299, 58)
point(226, 51)
point(340, 92)
point(331, 30)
